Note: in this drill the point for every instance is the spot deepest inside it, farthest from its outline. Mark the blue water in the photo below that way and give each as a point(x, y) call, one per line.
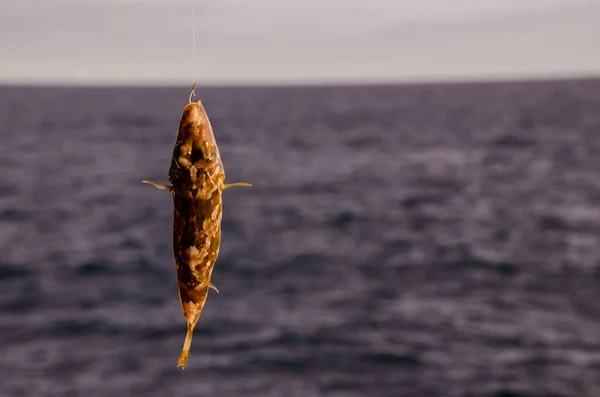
point(437, 240)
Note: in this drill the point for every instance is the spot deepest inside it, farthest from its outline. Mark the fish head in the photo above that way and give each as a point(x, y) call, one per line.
point(195, 136)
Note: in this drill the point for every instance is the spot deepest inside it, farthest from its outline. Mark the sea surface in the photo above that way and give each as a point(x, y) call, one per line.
point(424, 240)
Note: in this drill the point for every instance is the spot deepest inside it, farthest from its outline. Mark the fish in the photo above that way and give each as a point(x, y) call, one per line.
point(196, 183)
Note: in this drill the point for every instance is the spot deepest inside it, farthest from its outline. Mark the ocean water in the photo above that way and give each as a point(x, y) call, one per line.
point(438, 240)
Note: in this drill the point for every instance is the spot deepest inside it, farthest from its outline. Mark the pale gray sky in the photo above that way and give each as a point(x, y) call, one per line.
point(295, 41)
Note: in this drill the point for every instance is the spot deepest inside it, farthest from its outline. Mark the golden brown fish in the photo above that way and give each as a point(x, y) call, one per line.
point(197, 180)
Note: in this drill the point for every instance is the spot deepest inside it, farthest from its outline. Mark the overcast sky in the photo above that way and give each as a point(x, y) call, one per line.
point(295, 41)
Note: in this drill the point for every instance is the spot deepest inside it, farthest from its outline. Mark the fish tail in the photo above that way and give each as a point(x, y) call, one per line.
point(185, 353)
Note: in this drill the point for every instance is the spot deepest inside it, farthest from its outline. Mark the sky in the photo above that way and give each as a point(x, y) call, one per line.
point(296, 41)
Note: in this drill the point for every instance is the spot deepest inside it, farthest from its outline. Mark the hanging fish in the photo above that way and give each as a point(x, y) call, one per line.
point(197, 180)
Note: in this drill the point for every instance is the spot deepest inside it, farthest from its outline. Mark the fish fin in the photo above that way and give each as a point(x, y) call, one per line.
point(158, 185)
point(211, 285)
point(228, 185)
point(187, 344)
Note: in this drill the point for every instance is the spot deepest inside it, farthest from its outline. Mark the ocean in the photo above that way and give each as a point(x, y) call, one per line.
point(419, 240)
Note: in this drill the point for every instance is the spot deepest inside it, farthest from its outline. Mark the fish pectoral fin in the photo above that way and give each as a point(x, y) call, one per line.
point(211, 285)
point(158, 185)
point(228, 185)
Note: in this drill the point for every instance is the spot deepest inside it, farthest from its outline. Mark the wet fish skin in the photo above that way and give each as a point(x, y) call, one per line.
point(197, 180)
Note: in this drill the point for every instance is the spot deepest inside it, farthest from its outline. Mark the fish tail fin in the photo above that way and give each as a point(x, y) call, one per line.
point(187, 344)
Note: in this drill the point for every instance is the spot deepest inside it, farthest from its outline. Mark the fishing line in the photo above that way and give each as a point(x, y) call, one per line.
point(194, 39)
point(193, 93)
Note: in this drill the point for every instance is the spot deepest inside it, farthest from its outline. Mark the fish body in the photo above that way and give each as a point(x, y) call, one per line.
point(197, 180)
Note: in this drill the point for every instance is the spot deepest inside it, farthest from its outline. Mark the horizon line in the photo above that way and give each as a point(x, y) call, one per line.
point(534, 78)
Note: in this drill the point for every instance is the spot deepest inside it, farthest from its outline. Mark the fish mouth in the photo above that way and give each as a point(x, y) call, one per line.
point(192, 113)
